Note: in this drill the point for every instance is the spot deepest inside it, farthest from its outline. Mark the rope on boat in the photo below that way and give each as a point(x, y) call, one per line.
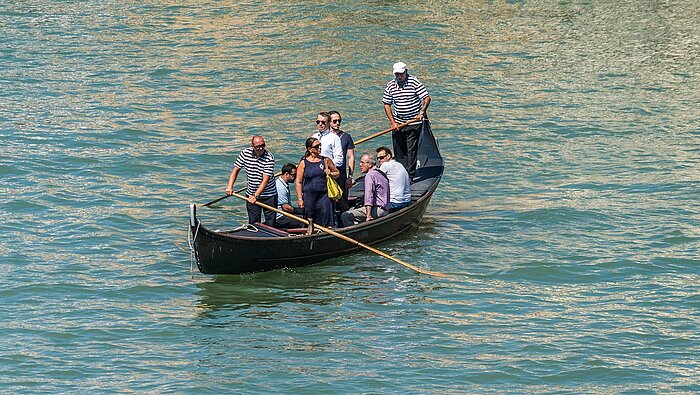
point(248, 227)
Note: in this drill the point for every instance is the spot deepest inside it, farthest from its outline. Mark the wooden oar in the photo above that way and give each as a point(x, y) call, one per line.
point(360, 141)
point(217, 200)
point(343, 237)
point(225, 196)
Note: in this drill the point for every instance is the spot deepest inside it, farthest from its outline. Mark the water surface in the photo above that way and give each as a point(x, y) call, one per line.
point(568, 212)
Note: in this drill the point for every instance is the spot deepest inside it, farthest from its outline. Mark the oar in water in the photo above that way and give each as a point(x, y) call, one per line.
point(215, 200)
point(360, 141)
point(343, 237)
point(225, 196)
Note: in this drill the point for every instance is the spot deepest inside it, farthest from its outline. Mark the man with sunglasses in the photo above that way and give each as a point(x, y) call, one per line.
point(410, 101)
point(284, 200)
point(259, 165)
point(331, 146)
point(348, 166)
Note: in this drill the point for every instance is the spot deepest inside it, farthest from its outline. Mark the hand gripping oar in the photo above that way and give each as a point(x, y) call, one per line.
point(343, 237)
point(360, 141)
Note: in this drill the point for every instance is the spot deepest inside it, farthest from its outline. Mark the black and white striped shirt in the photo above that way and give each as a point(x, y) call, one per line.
point(406, 98)
point(255, 168)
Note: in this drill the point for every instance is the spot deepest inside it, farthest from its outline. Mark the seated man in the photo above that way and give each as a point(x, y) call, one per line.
point(376, 200)
point(399, 183)
point(289, 174)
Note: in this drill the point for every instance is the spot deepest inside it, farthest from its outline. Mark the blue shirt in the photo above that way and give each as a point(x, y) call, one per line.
point(283, 195)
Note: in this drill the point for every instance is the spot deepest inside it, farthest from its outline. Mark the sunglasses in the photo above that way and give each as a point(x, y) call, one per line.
point(381, 157)
point(320, 122)
point(316, 146)
point(259, 146)
point(336, 121)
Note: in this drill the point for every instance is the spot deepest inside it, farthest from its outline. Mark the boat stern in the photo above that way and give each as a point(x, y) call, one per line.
point(193, 215)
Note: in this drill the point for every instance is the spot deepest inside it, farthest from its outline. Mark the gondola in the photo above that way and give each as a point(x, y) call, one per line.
point(258, 247)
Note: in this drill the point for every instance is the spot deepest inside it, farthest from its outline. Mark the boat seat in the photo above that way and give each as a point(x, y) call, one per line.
point(297, 231)
point(421, 185)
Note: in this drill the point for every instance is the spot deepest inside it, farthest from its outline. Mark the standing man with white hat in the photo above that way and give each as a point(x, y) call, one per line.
point(410, 101)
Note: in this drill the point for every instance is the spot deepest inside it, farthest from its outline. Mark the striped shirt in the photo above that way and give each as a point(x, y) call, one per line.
point(406, 98)
point(255, 168)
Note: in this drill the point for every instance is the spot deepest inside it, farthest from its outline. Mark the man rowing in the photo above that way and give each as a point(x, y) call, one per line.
point(410, 100)
point(259, 165)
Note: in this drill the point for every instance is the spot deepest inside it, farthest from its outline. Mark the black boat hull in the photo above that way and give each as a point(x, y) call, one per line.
point(220, 254)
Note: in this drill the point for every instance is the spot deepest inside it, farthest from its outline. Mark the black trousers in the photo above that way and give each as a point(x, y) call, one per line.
point(255, 211)
point(406, 146)
point(342, 203)
point(288, 223)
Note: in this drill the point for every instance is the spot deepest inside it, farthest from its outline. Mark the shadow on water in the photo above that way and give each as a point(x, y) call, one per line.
point(233, 292)
point(318, 284)
point(265, 295)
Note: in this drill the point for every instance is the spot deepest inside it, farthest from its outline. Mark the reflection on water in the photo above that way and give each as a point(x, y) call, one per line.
point(264, 294)
point(264, 290)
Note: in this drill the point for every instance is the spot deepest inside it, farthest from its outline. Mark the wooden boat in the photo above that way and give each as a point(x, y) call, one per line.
point(258, 247)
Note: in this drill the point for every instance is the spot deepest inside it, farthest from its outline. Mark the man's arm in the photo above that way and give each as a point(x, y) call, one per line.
point(424, 107)
point(390, 116)
point(369, 194)
point(261, 188)
point(351, 167)
point(283, 195)
point(232, 180)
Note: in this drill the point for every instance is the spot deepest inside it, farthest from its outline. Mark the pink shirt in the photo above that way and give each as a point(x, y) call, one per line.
point(376, 189)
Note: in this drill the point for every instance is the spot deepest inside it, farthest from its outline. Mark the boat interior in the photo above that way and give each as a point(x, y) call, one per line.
point(420, 186)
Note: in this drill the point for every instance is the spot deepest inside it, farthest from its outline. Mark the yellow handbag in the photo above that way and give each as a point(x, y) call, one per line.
point(334, 191)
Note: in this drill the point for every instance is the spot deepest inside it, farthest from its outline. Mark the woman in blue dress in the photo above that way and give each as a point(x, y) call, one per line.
point(311, 184)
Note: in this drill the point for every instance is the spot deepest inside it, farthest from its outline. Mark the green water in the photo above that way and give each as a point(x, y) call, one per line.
point(568, 212)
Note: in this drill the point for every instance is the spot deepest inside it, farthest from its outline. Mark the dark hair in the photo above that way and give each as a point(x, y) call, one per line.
point(288, 168)
point(386, 150)
point(334, 112)
point(309, 143)
point(325, 115)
